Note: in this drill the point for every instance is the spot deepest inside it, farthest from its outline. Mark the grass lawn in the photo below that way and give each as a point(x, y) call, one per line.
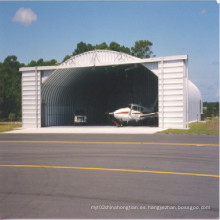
point(9, 126)
point(211, 127)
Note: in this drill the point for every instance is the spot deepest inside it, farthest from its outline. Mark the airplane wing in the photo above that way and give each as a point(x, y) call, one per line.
point(149, 115)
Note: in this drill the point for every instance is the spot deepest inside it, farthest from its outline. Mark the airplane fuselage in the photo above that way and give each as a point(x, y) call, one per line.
point(134, 113)
point(127, 115)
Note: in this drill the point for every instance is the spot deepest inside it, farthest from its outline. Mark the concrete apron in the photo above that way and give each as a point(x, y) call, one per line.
point(87, 130)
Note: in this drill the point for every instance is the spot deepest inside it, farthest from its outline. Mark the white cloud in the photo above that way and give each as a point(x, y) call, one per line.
point(25, 16)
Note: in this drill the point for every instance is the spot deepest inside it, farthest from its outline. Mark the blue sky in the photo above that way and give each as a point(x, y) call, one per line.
point(174, 28)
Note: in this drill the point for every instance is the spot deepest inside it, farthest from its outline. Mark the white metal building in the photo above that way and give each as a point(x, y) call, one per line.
point(103, 80)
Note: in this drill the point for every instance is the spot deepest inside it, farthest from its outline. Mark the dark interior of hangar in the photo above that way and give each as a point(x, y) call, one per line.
point(95, 91)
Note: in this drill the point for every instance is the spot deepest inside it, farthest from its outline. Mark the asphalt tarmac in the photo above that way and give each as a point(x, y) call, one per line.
point(108, 176)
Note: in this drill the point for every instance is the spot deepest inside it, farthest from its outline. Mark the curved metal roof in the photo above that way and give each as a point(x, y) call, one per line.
point(99, 58)
point(194, 93)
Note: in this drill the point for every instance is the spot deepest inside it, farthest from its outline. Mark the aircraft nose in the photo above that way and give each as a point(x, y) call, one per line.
point(109, 113)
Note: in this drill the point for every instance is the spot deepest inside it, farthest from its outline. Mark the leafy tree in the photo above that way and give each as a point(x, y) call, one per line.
point(10, 87)
point(211, 109)
point(82, 47)
point(125, 50)
point(52, 62)
point(142, 49)
point(102, 46)
point(32, 63)
point(114, 46)
point(66, 58)
point(12, 61)
point(11, 116)
point(117, 47)
point(41, 62)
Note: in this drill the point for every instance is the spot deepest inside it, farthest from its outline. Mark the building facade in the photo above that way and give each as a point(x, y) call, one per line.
point(102, 80)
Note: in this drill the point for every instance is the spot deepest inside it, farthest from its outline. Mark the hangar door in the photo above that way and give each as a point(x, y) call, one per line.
point(95, 91)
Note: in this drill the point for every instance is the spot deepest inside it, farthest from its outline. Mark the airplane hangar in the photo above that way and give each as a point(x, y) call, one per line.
point(101, 81)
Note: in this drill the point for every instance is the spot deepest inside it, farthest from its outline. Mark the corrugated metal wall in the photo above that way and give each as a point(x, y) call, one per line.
point(31, 99)
point(172, 94)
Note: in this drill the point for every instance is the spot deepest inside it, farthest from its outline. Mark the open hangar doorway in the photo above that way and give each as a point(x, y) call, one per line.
point(95, 91)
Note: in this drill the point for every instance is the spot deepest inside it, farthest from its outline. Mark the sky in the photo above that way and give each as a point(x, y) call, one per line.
point(51, 30)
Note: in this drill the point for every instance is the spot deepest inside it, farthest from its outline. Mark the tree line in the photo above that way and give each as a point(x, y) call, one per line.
point(211, 109)
point(141, 49)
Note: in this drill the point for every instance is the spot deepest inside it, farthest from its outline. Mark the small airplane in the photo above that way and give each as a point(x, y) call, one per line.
point(133, 113)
